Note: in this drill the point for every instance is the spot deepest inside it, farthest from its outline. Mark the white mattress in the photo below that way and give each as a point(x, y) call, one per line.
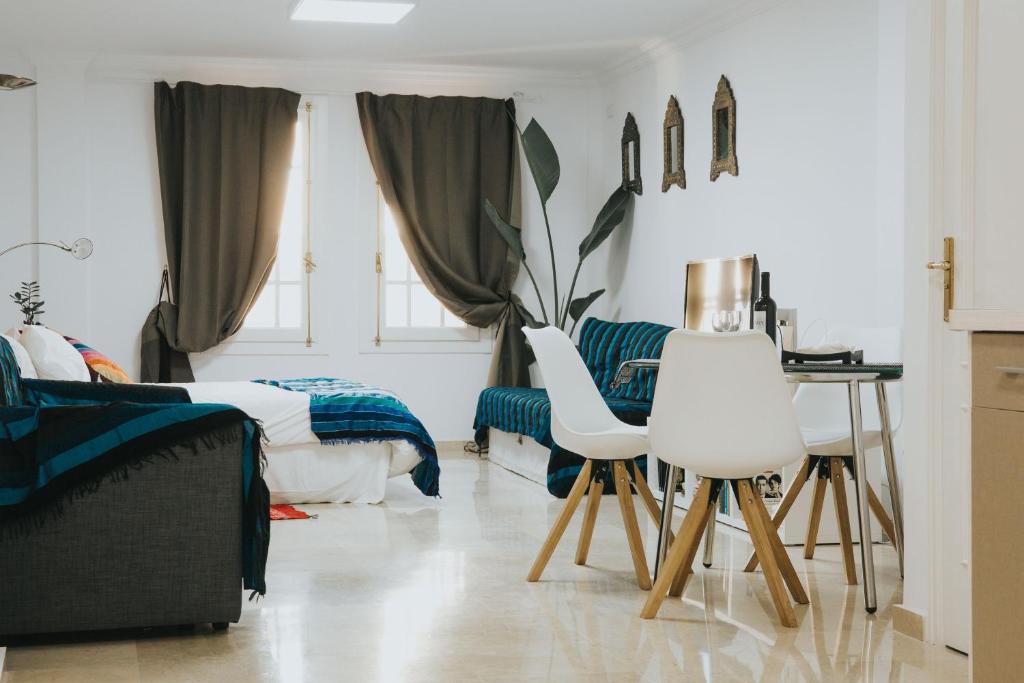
point(299, 468)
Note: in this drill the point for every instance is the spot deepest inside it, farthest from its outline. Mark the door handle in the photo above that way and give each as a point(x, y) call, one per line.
point(948, 271)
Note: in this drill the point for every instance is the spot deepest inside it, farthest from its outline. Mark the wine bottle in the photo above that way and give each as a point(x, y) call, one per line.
point(764, 309)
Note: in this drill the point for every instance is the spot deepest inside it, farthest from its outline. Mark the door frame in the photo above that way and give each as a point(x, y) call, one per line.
point(933, 160)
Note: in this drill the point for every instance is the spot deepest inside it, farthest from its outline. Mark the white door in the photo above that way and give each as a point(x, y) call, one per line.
point(976, 198)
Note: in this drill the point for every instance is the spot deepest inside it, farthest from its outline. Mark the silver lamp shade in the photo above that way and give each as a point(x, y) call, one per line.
point(9, 82)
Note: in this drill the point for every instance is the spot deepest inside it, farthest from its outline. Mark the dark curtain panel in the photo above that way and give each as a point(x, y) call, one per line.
point(224, 153)
point(437, 159)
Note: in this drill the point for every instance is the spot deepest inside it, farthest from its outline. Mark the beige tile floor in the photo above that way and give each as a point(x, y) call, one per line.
point(434, 590)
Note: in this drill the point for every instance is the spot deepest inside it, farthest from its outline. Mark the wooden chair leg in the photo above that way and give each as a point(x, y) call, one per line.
point(795, 487)
point(650, 502)
point(766, 554)
point(683, 550)
point(684, 572)
point(814, 521)
point(589, 519)
point(636, 546)
point(881, 515)
point(843, 518)
point(575, 495)
point(796, 589)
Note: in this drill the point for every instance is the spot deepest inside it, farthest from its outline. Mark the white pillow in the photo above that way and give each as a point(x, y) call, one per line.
point(53, 356)
point(28, 371)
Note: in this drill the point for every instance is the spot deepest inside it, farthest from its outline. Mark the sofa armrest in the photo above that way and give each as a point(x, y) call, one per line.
point(41, 392)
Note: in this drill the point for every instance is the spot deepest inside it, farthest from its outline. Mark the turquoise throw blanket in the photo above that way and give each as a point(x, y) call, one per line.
point(58, 445)
point(342, 411)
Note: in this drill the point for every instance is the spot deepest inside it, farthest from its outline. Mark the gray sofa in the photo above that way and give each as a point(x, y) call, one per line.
point(160, 547)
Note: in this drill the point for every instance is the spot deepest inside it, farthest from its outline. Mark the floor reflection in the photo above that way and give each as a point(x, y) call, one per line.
point(419, 589)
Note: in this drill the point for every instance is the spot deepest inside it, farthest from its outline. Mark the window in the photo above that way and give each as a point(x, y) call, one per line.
point(282, 310)
point(406, 310)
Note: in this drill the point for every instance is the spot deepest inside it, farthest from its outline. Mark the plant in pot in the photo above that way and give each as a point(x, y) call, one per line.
point(545, 169)
point(27, 299)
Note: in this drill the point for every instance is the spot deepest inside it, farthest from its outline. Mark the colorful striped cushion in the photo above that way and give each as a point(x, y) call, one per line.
point(11, 392)
point(101, 368)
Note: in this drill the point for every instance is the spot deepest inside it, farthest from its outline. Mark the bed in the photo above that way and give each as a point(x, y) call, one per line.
point(351, 466)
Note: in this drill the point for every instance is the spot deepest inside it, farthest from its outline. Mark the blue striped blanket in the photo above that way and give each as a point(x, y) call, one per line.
point(343, 411)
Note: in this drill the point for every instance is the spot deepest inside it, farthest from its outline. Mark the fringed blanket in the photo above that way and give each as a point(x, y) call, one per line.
point(342, 411)
point(527, 411)
point(57, 446)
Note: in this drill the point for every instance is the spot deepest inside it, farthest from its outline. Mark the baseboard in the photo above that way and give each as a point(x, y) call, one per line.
point(908, 622)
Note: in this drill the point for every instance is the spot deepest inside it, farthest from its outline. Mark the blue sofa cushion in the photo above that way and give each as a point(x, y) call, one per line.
point(605, 345)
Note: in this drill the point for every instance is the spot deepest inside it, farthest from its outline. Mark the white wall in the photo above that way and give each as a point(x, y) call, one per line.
point(17, 185)
point(819, 145)
point(97, 176)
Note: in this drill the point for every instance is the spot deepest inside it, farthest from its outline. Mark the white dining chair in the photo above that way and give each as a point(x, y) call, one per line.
point(722, 408)
point(582, 423)
point(823, 412)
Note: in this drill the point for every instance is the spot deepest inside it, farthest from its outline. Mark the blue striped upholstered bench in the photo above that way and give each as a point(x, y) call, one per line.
point(526, 412)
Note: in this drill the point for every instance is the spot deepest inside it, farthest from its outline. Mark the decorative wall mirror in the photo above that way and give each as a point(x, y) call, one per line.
point(674, 174)
point(723, 131)
point(631, 180)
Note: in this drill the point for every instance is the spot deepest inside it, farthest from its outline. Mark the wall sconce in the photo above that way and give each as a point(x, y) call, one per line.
point(81, 248)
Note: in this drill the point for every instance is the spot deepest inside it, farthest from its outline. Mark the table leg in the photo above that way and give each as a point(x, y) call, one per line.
point(890, 470)
point(664, 530)
point(863, 508)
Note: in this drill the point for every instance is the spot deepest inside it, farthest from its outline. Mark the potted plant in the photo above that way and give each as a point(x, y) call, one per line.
point(27, 299)
point(545, 169)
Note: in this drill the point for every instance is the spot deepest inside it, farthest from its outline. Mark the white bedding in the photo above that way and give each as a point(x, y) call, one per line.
point(299, 468)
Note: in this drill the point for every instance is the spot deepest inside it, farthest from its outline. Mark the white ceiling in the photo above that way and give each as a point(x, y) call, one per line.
point(565, 35)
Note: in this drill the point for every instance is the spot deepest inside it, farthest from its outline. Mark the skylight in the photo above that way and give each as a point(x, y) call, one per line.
point(350, 11)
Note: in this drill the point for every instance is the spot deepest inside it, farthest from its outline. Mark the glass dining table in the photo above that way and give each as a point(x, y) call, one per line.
point(853, 376)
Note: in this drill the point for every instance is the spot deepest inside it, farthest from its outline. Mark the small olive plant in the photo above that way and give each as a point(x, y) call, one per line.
point(544, 166)
point(27, 299)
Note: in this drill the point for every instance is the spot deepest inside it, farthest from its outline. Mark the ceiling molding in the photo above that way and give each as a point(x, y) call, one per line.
point(325, 77)
point(713, 23)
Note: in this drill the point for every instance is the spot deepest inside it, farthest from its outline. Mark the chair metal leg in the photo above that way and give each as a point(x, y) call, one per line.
point(665, 528)
point(890, 470)
point(709, 538)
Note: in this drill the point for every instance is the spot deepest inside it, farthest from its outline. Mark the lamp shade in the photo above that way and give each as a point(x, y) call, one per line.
point(9, 82)
point(81, 248)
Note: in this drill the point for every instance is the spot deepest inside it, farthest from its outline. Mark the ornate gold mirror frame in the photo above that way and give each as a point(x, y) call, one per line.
point(631, 179)
point(675, 173)
point(723, 131)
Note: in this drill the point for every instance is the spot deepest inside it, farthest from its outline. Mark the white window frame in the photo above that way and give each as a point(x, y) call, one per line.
point(306, 339)
point(384, 339)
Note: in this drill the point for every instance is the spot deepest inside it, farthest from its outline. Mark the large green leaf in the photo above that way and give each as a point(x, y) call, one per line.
point(609, 218)
point(542, 158)
point(510, 233)
point(579, 306)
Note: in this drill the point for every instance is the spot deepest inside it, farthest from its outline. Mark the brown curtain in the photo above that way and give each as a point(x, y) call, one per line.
point(437, 159)
point(224, 153)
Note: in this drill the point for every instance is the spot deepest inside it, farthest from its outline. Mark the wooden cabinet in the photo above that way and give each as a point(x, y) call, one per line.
point(997, 508)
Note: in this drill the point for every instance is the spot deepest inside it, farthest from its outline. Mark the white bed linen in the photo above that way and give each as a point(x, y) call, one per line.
point(299, 468)
point(284, 414)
